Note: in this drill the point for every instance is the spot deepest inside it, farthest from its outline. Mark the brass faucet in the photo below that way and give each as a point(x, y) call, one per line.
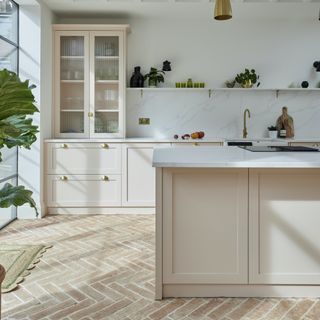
point(245, 130)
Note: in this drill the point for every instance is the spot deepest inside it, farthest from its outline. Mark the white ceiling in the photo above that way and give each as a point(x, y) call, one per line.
point(190, 9)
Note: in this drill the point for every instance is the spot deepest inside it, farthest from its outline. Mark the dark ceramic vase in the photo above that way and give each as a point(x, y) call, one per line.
point(137, 79)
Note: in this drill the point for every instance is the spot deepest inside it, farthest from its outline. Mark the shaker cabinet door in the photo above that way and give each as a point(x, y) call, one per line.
point(284, 245)
point(205, 223)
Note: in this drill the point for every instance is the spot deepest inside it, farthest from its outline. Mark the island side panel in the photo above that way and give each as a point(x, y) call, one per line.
point(158, 240)
point(284, 226)
point(205, 226)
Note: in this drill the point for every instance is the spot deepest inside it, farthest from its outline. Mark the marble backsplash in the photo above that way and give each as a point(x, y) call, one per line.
point(221, 115)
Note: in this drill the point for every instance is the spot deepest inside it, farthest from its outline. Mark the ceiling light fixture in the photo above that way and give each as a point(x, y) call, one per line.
point(222, 10)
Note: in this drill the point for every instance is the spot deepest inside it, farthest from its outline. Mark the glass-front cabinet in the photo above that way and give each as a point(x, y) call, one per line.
point(89, 82)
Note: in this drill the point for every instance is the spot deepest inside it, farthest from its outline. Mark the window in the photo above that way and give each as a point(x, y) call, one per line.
point(9, 59)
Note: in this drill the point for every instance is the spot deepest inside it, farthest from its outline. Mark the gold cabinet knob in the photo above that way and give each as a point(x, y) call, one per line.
point(90, 114)
point(63, 178)
point(64, 145)
point(196, 144)
point(104, 145)
point(105, 178)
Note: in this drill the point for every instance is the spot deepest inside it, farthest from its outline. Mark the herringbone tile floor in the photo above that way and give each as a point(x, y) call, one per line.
point(102, 267)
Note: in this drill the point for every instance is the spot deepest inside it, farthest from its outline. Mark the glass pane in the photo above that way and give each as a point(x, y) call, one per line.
point(8, 56)
point(72, 122)
point(9, 20)
point(72, 84)
point(106, 122)
point(8, 165)
point(7, 214)
point(107, 97)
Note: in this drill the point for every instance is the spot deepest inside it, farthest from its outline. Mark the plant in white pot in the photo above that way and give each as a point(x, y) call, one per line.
point(154, 77)
point(16, 130)
point(273, 132)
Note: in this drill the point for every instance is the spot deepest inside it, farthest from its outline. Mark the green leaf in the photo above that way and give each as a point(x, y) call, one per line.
point(16, 97)
point(16, 196)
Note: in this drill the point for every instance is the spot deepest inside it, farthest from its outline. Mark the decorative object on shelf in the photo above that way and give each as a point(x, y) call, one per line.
point(189, 83)
point(197, 135)
point(166, 66)
point(183, 84)
point(175, 137)
point(247, 79)
point(222, 10)
point(185, 137)
point(178, 84)
point(285, 124)
point(202, 84)
point(154, 77)
point(137, 79)
point(305, 84)
point(316, 65)
point(230, 84)
point(273, 132)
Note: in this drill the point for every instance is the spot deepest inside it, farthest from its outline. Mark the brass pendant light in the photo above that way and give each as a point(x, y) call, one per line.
point(223, 10)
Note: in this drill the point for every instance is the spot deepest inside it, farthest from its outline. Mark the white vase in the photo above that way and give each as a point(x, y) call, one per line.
point(273, 134)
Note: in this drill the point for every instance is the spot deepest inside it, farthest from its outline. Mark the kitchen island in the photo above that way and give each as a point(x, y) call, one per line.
point(230, 222)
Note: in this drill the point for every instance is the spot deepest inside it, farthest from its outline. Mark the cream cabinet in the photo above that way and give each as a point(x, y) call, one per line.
point(284, 226)
point(205, 241)
point(83, 158)
point(89, 80)
point(138, 175)
point(84, 191)
point(314, 144)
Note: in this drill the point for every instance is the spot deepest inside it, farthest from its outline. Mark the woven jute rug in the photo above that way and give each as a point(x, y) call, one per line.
point(18, 260)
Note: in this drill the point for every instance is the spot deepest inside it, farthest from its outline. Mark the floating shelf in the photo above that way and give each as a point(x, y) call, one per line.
point(224, 89)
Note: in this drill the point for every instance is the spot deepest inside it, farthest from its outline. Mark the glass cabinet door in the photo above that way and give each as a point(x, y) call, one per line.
point(106, 83)
point(72, 83)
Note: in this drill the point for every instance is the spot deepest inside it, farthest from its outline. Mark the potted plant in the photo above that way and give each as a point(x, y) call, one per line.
point(247, 79)
point(273, 132)
point(16, 130)
point(154, 77)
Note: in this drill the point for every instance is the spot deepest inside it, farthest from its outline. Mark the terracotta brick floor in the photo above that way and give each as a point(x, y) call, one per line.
point(102, 267)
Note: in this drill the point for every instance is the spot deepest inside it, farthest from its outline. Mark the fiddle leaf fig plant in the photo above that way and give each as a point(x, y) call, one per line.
point(247, 79)
point(154, 77)
point(16, 130)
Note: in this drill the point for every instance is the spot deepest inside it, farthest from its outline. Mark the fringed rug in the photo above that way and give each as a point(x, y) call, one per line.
point(18, 260)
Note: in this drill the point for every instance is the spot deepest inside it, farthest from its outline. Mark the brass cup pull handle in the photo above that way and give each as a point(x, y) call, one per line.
point(104, 145)
point(105, 178)
point(64, 145)
point(90, 114)
point(63, 178)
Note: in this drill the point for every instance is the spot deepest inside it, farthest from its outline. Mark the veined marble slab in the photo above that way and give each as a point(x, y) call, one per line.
point(232, 157)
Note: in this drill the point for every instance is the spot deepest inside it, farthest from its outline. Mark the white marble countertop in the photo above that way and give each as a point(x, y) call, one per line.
point(171, 140)
point(232, 157)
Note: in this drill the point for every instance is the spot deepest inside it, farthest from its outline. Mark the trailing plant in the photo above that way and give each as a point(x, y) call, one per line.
point(247, 78)
point(16, 130)
point(154, 77)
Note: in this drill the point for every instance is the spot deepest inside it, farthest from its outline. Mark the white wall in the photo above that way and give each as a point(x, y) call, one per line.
point(36, 65)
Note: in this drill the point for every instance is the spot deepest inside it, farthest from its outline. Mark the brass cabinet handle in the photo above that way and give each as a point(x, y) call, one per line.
point(63, 178)
point(90, 114)
point(104, 145)
point(105, 178)
point(64, 145)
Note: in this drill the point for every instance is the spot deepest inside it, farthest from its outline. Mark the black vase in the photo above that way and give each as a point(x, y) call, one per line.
point(137, 79)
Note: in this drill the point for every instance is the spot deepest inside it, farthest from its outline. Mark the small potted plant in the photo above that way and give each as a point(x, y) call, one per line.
point(247, 79)
point(273, 132)
point(154, 77)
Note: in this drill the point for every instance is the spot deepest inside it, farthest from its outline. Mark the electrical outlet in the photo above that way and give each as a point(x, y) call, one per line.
point(144, 121)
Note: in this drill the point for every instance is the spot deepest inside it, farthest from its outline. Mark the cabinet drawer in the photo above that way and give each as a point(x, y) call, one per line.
point(306, 144)
point(84, 190)
point(191, 143)
point(83, 158)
